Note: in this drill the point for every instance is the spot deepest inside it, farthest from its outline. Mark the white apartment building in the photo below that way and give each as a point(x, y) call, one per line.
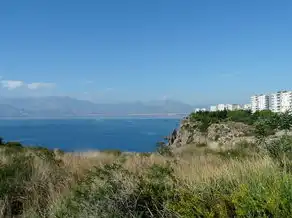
point(229, 107)
point(263, 102)
point(260, 102)
point(236, 107)
point(247, 107)
point(221, 107)
point(277, 102)
point(286, 101)
point(213, 108)
point(254, 103)
point(200, 110)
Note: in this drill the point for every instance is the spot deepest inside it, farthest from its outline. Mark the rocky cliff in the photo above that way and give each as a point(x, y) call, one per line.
point(224, 134)
point(216, 135)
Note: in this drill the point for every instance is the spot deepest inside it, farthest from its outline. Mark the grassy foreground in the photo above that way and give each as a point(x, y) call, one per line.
point(243, 182)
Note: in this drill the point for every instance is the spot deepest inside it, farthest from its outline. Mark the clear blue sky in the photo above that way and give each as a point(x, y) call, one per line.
point(113, 50)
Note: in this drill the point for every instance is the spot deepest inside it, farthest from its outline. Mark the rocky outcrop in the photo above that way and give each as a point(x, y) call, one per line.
point(217, 134)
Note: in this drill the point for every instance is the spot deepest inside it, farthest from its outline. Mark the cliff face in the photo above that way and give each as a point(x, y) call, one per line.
point(217, 134)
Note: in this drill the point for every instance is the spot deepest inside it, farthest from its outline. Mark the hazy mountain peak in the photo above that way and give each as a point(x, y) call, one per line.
point(68, 106)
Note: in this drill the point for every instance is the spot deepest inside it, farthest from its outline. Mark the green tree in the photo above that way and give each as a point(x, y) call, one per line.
point(240, 116)
point(273, 121)
point(285, 121)
point(262, 130)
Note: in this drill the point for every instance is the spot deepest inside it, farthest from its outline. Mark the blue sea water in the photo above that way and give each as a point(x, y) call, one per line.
point(126, 134)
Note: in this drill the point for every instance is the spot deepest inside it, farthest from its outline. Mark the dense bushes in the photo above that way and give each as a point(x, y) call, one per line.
point(112, 191)
point(265, 122)
point(244, 181)
point(237, 116)
point(163, 149)
point(27, 177)
point(281, 151)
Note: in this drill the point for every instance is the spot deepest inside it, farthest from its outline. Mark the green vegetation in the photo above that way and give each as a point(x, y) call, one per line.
point(163, 149)
point(247, 180)
point(22, 186)
point(265, 122)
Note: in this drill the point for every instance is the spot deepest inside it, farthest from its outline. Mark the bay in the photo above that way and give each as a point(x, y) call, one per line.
point(125, 134)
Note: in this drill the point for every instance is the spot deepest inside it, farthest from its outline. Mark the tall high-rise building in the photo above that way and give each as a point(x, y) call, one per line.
point(254, 103)
point(213, 108)
point(286, 101)
point(259, 103)
point(237, 107)
point(221, 107)
point(277, 102)
point(247, 107)
point(229, 107)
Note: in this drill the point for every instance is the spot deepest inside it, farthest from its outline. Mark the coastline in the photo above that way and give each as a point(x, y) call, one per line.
point(136, 116)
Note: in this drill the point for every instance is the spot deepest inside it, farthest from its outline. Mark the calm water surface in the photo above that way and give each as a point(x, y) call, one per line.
point(126, 134)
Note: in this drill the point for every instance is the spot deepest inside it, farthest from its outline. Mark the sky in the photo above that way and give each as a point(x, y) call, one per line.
point(198, 52)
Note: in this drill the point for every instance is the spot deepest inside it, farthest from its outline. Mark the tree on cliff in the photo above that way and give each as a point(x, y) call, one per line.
point(285, 121)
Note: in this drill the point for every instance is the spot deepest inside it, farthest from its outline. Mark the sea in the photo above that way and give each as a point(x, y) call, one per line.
point(83, 134)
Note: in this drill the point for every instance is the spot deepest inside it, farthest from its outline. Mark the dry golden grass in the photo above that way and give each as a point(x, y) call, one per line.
point(80, 163)
point(195, 173)
point(50, 183)
point(207, 168)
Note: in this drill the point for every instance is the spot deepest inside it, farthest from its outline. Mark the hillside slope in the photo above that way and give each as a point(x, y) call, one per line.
point(226, 129)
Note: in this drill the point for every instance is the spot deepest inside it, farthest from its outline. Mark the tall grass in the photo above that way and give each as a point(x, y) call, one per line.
point(36, 182)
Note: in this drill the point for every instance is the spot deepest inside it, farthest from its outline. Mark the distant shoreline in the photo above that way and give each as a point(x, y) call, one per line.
point(136, 116)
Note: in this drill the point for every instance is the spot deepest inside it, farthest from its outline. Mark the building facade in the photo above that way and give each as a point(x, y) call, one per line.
point(263, 102)
point(229, 107)
point(286, 101)
point(200, 110)
point(277, 102)
point(254, 103)
point(260, 102)
point(236, 107)
point(221, 107)
point(247, 107)
point(213, 108)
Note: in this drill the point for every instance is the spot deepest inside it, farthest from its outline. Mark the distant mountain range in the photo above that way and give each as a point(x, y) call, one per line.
point(67, 106)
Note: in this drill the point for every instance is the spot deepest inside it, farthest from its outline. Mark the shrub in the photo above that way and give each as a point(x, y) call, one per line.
point(268, 198)
point(163, 149)
point(262, 194)
point(263, 129)
point(285, 121)
point(281, 151)
point(112, 191)
point(11, 148)
point(204, 125)
point(240, 116)
point(14, 176)
point(1, 141)
point(24, 187)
